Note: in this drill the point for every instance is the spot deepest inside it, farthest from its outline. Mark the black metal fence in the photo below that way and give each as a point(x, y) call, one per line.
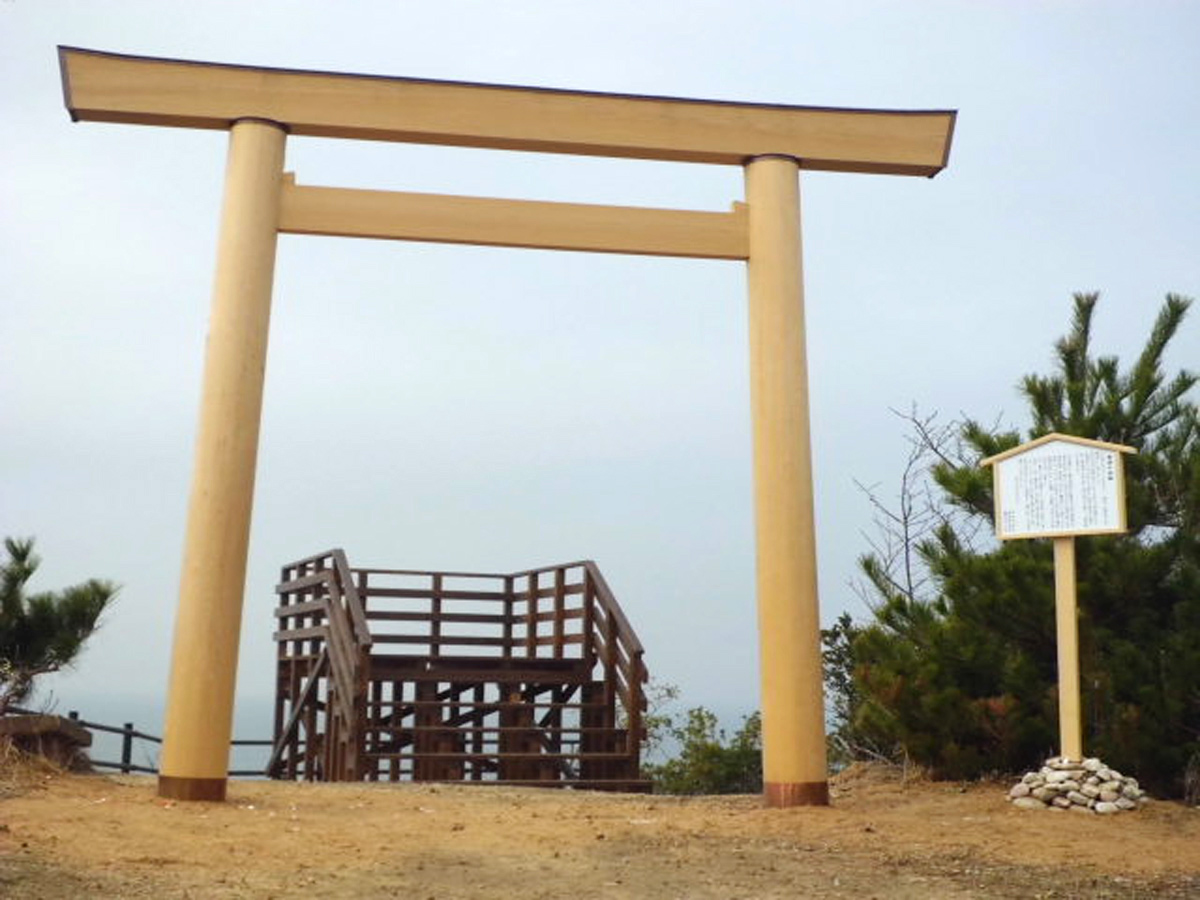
point(129, 734)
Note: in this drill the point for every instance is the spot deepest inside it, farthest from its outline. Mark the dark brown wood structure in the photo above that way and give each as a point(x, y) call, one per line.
point(529, 678)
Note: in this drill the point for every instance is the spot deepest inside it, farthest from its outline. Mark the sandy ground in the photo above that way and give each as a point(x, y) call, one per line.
point(94, 836)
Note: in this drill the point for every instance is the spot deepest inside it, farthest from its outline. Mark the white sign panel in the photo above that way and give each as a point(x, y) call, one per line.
point(1060, 488)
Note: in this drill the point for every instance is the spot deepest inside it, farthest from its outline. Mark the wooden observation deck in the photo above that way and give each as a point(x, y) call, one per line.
point(529, 678)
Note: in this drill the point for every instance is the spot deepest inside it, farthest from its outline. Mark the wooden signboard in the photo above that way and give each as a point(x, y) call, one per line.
point(1060, 486)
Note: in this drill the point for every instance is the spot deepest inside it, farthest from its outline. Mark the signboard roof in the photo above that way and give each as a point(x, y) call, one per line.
point(1055, 436)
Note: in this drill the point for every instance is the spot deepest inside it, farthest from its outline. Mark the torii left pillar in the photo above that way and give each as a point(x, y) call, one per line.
point(199, 717)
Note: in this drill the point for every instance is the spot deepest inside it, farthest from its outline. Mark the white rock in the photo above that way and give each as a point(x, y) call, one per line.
point(1077, 798)
point(1019, 790)
point(1061, 802)
point(1110, 796)
point(1093, 764)
point(1045, 794)
point(1105, 809)
point(1028, 803)
point(1057, 777)
point(1091, 791)
point(1125, 803)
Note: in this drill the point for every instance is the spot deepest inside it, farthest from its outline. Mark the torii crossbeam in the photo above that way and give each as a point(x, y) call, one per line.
point(260, 107)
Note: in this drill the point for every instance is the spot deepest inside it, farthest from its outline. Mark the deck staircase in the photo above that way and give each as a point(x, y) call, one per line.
point(529, 678)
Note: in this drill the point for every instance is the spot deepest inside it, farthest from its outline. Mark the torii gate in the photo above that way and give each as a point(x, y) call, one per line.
point(260, 107)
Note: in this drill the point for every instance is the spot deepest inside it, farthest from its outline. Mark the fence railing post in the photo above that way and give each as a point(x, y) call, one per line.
point(127, 748)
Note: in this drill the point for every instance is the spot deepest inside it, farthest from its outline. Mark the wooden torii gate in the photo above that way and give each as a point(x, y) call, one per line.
point(260, 107)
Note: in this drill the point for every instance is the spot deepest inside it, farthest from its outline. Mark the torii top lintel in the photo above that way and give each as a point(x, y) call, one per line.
point(109, 87)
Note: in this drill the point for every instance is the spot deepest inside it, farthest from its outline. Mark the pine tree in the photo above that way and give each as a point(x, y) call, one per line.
point(960, 674)
point(41, 633)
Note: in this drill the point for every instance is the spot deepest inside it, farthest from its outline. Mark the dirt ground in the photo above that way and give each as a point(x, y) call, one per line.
point(93, 836)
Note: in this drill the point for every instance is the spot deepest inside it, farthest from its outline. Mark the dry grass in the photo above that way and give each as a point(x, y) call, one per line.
point(20, 771)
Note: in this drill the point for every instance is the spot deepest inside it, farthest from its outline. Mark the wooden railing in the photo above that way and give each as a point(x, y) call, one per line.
point(129, 735)
point(558, 612)
point(616, 644)
point(321, 611)
point(461, 624)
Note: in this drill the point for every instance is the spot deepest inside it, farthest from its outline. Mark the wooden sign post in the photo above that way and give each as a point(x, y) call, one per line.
point(1058, 487)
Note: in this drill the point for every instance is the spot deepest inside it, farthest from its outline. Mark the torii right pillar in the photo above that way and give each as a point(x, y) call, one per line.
point(795, 772)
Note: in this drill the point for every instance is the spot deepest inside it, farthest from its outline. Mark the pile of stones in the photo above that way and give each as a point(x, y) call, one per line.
point(1082, 786)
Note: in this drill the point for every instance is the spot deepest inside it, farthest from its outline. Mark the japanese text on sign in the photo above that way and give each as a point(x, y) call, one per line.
point(1059, 488)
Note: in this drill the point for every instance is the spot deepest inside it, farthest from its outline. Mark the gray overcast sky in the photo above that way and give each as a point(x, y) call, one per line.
point(469, 408)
